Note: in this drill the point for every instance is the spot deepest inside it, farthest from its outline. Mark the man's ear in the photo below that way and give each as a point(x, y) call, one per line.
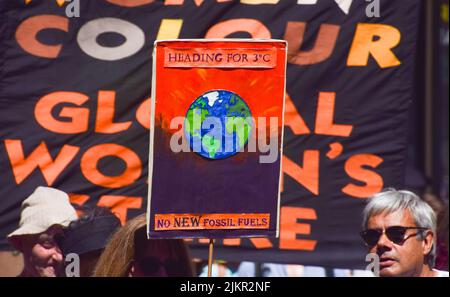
point(131, 271)
point(428, 242)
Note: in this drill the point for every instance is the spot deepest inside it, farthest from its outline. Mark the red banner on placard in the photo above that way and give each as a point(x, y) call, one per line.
point(165, 222)
point(220, 57)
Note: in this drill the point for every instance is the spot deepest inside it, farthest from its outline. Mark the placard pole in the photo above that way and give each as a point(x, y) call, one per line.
point(210, 256)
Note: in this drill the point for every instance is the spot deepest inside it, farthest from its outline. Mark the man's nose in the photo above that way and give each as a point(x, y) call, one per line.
point(384, 242)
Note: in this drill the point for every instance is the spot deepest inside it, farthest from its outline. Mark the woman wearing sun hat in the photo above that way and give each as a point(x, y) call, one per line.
point(43, 215)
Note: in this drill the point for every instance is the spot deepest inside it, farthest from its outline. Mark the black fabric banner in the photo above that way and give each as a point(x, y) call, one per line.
point(75, 105)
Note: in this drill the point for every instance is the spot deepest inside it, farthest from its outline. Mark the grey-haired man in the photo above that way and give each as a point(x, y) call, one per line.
point(401, 229)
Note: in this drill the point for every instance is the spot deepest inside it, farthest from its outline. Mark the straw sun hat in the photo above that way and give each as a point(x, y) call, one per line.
point(42, 209)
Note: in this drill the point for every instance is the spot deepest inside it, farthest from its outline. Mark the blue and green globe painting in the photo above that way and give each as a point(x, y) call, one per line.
point(218, 124)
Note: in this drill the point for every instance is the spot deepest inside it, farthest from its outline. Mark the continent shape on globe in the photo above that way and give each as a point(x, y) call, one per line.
point(218, 124)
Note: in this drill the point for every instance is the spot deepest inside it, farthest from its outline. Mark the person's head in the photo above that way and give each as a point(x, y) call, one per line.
point(43, 216)
point(41, 254)
point(400, 228)
point(88, 236)
point(130, 253)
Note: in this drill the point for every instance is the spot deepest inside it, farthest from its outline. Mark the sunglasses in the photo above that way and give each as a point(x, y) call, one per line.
point(396, 234)
point(151, 266)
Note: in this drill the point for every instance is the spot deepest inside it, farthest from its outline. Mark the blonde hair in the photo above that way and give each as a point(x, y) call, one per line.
point(127, 243)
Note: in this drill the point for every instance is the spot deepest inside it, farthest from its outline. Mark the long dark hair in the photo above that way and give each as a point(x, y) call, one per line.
point(129, 242)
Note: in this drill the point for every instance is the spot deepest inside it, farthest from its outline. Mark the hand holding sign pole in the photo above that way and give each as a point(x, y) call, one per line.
point(216, 139)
